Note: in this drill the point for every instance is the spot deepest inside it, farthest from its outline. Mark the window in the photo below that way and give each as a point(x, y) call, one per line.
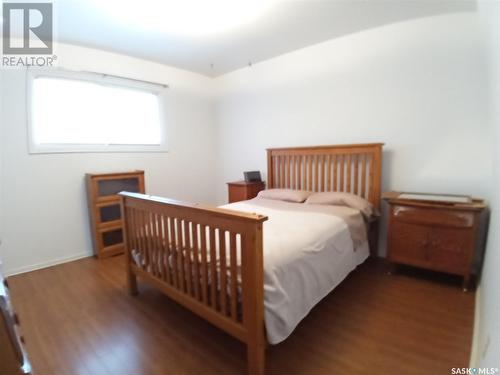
point(73, 112)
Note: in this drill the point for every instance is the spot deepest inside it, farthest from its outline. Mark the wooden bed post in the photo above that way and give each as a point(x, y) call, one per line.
point(131, 277)
point(253, 299)
point(377, 175)
point(373, 235)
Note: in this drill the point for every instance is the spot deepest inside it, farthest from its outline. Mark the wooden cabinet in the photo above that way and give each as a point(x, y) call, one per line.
point(104, 208)
point(242, 190)
point(13, 358)
point(440, 236)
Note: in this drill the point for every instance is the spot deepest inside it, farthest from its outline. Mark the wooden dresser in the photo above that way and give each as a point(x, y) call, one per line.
point(440, 236)
point(104, 208)
point(242, 190)
point(13, 358)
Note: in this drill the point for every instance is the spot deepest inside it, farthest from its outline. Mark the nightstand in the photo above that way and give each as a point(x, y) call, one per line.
point(242, 190)
point(440, 233)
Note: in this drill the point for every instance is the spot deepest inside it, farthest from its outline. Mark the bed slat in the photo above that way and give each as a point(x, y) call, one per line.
point(187, 256)
point(299, 171)
point(180, 258)
point(173, 251)
point(195, 253)
point(166, 256)
point(309, 168)
point(222, 273)
point(213, 270)
point(234, 277)
point(288, 172)
point(149, 238)
point(204, 269)
point(159, 245)
point(143, 237)
point(342, 162)
point(348, 168)
point(363, 176)
point(356, 174)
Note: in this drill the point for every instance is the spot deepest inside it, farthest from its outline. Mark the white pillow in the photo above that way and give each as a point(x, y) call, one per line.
point(287, 195)
point(344, 199)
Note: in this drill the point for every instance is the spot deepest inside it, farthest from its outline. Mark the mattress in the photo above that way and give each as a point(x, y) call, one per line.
point(308, 251)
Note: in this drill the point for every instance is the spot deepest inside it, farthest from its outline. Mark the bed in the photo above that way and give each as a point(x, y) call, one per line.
point(218, 263)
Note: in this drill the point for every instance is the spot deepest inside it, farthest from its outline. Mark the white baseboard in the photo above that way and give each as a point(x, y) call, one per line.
point(46, 264)
point(475, 352)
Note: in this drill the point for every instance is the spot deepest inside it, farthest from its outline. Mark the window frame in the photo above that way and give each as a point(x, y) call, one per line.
point(101, 79)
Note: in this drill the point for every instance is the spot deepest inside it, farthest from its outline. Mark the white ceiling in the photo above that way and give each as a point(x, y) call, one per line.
point(283, 27)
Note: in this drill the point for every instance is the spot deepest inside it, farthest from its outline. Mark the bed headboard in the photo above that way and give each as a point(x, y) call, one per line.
point(355, 168)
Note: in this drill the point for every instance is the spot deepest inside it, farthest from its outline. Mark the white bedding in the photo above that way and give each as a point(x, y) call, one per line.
point(306, 255)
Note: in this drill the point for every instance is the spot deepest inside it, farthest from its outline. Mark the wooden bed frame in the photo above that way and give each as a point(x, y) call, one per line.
point(161, 235)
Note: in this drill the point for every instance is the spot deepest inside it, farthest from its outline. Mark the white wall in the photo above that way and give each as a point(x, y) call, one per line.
point(43, 195)
point(418, 86)
point(486, 348)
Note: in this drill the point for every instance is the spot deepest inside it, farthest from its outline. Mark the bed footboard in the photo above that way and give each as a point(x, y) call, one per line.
point(209, 260)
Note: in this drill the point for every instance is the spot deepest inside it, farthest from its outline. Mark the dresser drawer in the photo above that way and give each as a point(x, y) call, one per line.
point(426, 216)
point(446, 249)
point(450, 249)
point(408, 243)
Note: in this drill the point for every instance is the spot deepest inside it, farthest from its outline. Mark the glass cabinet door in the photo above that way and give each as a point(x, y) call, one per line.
point(111, 187)
point(112, 237)
point(109, 213)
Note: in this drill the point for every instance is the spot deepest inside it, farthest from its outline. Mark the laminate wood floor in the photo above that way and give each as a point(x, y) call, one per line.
point(78, 319)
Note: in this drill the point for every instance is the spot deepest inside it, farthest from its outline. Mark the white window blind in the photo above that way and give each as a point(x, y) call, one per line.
point(72, 115)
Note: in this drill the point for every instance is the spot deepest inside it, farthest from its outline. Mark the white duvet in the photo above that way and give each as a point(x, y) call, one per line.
point(306, 255)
